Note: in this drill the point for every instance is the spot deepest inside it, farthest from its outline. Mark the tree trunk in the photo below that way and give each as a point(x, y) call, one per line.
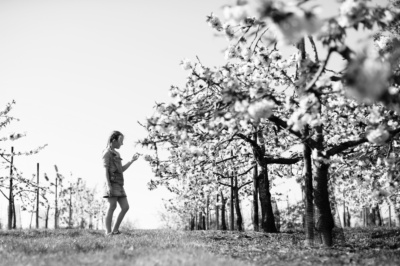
point(217, 213)
point(30, 223)
point(277, 215)
point(47, 217)
point(308, 191)
point(367, 220)
point(372, 216)
point(14, 216)
point(348, 217)
point(200, 221)
point(267, 219)
point(232, 223)
point(239, 219)
point(56, 203)
point(255, 194)
point(378, 218)
point(223, 212)
point(10, 197)
point(37, 196)
point(325, 221)
point(70, 208)
point(207, 227)
point(344, 211)
point(192, 222)
point(392, 201)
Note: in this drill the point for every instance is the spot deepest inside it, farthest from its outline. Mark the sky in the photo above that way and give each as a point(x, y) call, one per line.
point(79, 69)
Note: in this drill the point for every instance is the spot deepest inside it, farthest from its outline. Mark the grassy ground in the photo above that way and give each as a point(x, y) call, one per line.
point(374, 246)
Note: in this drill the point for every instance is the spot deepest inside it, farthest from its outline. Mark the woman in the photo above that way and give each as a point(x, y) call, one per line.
point(114, 185)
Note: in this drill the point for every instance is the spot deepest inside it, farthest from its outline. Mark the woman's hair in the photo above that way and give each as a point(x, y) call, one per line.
point(114, 136)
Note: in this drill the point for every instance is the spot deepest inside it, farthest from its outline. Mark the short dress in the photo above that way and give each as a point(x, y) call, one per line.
point(113, 163)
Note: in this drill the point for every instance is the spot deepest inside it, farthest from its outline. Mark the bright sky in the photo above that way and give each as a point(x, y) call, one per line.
point(79, 69)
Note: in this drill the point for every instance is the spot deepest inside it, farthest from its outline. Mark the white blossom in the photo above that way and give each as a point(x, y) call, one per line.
point(241, 106)
point(262, 109)
point(236, 13)
point(214, 22)
point(186, 64)
point(378, 135)
point(351, 12)
point(229, 31)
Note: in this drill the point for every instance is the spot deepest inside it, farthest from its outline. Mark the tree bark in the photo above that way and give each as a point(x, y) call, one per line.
point(56, 201)
point(223, 212)
point(378, 218)
point(192, 222)
point(348, 217)
point(396, 213)
point(204, 221)
point(239, 219)
point(277, 215)
point(308, 191)
point(267, 214)
point(14, 216)
point(200, 221)
point(344, 211)
point(217, 213)
point(10, 197)
point(37, 196)
point(232, 206)
point(47, 217)
point(325, 221)
point(207, 227)
point(372, 216)
point(255, 194)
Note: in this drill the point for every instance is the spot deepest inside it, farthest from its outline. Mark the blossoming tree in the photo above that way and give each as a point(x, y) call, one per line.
point(286, 100)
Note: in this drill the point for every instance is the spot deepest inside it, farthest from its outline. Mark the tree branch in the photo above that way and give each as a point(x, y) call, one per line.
point(247, 139)
point(245, 184)
point(282, 160)
point(224, 184)
point(4, 194)
point(227, 159)
point(320, 71)
point(221, 175)
point(248, 170)
point(310, 38)
point(348, 144)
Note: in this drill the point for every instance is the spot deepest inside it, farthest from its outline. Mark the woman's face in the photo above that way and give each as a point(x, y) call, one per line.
point(118, 142)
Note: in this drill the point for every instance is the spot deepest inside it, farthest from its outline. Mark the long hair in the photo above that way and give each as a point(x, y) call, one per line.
point(114, 136)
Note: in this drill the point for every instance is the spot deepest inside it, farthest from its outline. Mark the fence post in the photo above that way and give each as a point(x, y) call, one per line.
point(37, 196)
point(10, 199)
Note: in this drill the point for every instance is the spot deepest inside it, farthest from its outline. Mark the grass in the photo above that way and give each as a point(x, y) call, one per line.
point(373, 246)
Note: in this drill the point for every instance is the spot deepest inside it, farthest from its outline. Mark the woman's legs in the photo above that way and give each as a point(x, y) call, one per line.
point(112, 205)
point(123, 203)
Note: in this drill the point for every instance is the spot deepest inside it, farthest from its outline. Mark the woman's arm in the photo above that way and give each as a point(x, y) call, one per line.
point(108, 182)
point(126, 166)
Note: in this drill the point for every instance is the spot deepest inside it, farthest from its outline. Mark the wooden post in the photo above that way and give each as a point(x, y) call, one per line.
point(46, 222)
point(70, 207)
point(217, 213)
point(208, 213)
point(37, 196)
point(232, 207)
point(344, 211)
point(14, 226)
point(56, 201)
point(10, 199)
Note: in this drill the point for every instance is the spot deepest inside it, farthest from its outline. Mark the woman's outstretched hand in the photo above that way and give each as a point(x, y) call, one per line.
point(135, 157)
